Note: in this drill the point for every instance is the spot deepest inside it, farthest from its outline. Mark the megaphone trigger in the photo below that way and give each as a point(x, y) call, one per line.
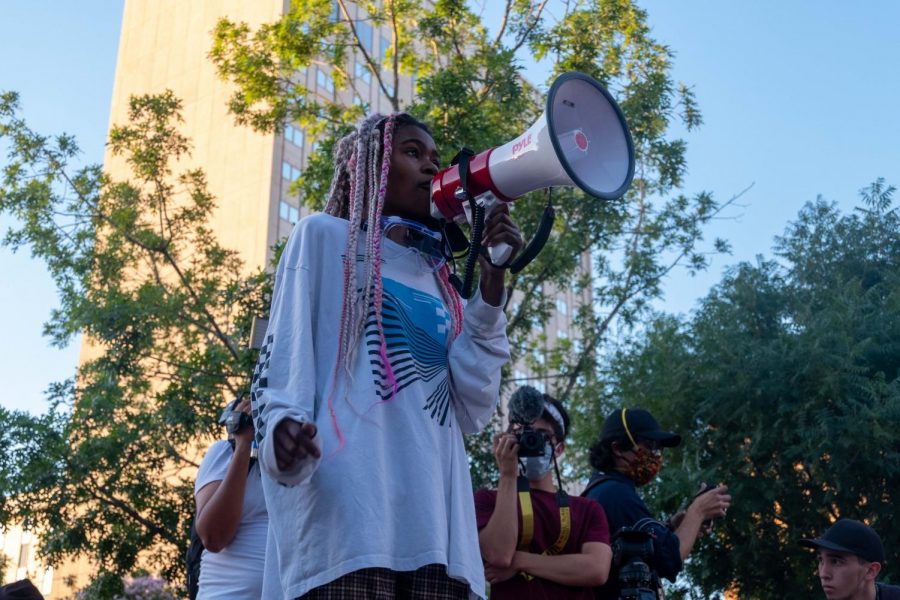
point(499, 254)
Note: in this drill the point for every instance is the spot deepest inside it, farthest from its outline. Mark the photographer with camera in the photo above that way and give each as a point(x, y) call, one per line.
point(231, 518)
point(536, 541)
point(627, 456)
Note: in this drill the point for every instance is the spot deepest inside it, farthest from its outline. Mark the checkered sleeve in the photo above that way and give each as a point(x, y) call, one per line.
point(283, 384)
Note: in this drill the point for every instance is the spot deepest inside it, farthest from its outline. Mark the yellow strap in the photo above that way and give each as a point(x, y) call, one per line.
point(634, 444)
point(527, 513)
point(565, 521)
point(565, 527)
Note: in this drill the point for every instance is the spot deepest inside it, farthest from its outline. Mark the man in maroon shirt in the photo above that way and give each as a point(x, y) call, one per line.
point(536, 541)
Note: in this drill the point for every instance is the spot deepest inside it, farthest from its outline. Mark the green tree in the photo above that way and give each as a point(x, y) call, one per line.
point(107, 472)
point(469, 87)
point(785, 382)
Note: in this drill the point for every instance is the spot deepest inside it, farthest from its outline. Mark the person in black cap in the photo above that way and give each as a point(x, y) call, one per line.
point(627, 456)
point(20, 590)
point(850, 557)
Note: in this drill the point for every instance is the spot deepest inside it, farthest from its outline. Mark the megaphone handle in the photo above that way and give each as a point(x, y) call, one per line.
point(500, 253)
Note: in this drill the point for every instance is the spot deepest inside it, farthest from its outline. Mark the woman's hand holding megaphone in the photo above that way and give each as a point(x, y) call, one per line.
point(499, 228)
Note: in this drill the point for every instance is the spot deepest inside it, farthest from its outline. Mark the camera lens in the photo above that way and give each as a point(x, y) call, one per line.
point(531, 442)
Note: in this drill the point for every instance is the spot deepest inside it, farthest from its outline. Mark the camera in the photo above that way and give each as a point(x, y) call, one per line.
point(706, 487)
point(632, 555)
point(531, 442)
point(234, 420)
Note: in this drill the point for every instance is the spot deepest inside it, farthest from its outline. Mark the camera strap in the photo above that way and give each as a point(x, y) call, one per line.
point(524, 491)
point(565, 519)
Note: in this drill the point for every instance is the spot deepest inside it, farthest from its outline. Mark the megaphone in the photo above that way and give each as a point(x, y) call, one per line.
point(580, 140)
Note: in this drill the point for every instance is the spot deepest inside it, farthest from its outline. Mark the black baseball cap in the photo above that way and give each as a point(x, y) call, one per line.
point(853, 537)
point(640, 424)
point(20, 590)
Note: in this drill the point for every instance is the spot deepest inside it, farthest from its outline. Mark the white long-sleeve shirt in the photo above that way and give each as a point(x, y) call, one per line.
point(398, 494)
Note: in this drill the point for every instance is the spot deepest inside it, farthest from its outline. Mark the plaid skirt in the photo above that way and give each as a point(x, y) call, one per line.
point(430, 581)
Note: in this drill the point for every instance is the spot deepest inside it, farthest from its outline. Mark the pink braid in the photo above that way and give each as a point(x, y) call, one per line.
point(346, 310)
point(387, 146)
point(349, 306)
point(451, 297)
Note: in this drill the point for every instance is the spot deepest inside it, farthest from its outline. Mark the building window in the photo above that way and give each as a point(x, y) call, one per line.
point(562, 307)
point(324, 81)
point(294, 135)
point(335, 12)
point(520, 375)
point(540, 386)
point(289, 213)
point(363, 73)
point(289, 171)
point(562, 335)
point(24, 555)
point(385, 46)
point(389, 89)
point(364, 32)
point(357, 101)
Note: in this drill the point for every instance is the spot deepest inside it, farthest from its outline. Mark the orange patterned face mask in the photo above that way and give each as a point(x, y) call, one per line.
point(644, 466)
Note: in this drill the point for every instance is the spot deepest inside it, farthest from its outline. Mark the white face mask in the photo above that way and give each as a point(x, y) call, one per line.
point(538, 466)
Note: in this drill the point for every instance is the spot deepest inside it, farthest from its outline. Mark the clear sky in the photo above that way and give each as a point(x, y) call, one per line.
point(799, 99)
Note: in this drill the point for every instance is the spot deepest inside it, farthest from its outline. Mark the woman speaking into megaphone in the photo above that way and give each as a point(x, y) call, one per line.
point(372, 369)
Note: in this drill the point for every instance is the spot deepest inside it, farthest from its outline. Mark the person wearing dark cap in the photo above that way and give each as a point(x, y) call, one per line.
point(627, 456)
point(20, 590)
point(850, 558)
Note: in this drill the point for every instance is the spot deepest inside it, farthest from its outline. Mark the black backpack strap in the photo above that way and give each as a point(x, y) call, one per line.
point(192, 562)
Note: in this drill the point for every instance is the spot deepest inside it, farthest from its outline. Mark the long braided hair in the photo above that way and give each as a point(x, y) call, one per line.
point(362, 162)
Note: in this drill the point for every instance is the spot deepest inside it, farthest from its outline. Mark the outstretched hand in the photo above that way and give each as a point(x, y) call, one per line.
point(712, 503)
point(294, 443)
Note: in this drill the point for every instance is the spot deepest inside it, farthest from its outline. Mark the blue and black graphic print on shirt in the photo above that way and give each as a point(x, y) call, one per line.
point(416, 331)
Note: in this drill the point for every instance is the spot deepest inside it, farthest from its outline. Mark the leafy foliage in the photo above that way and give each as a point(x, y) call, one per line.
point(614, 255)
point(786, 384)
point(107, 472)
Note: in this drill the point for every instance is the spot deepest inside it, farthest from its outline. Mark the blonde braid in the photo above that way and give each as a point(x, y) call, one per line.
point(356, 313)
point(374, 224)
point(338, 192)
